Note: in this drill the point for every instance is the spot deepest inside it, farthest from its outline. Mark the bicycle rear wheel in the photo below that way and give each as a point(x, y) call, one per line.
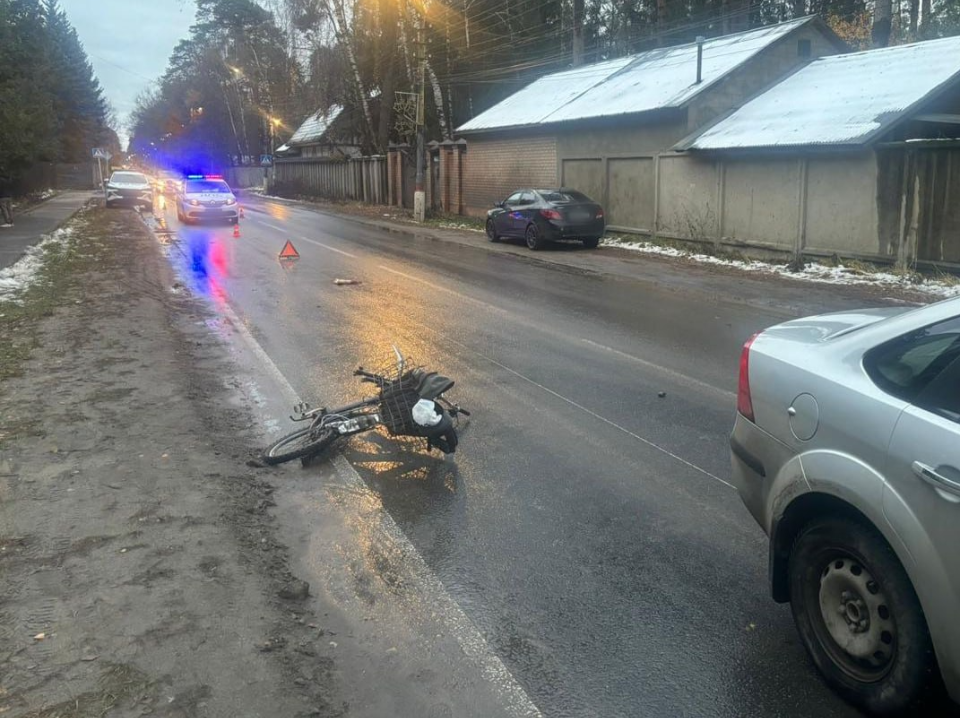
point(308, 441)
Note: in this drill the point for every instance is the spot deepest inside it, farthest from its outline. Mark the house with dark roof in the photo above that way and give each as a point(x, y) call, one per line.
point(856, 154)
point(602, 128)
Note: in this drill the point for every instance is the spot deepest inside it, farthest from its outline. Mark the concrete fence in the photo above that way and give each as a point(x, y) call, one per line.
point(896, 204)
point(60, 176)
point(246, 176)
point(363, 179)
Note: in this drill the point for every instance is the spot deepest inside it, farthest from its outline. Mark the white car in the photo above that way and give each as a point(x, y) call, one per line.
point(206, 197)
point(129, 188)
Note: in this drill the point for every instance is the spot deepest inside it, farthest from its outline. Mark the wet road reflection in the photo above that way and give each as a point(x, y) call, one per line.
point(611, 579)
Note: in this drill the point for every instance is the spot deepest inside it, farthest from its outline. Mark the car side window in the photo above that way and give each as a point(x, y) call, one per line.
point(942, 396)
point(513, 199)
point(526, 198)
point(907, 366)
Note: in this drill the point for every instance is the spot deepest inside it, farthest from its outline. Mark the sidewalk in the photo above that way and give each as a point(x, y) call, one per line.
point(38, 220)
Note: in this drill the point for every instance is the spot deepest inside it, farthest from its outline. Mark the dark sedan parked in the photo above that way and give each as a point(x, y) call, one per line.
point(539, 216)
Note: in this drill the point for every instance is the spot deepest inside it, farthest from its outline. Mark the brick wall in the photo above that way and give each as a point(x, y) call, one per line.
point(495, 167)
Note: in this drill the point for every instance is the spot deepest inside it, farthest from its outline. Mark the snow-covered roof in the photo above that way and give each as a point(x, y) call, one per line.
point(652, 80)
point(313, 128)
point(837, 100)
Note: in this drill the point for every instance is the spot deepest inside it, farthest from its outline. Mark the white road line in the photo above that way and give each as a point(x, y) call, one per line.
point(592, 414)
point(440, 288)
point(310, 240)
point(514, 697)
point(677, 376)
point(274, 227)
point(328, 247)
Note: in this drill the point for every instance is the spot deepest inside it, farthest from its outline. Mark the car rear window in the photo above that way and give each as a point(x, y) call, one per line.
point(563, 196)
point(128, 177)
point(908, 365)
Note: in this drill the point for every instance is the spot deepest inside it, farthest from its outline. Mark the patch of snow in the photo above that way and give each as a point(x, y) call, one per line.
point(838, 99)
point(812, 272)
point(18, 277)
point(460, 226)
point(661, 78)
point(315, 126)
point(260, 192)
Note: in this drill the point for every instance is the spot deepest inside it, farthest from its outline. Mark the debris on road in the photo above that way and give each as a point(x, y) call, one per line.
point(295, 590)
point(341, 281)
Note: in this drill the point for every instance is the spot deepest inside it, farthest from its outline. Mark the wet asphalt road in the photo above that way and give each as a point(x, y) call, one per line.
point(587, 526)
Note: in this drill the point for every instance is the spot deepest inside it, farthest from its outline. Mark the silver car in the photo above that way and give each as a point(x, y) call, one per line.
point(846, 449)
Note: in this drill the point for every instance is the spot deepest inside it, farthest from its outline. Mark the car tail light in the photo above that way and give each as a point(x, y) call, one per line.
point(744, 401)
point(551, 214)
point(600, 214)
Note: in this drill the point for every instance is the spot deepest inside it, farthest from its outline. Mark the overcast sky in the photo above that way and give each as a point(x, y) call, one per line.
point(128, 43)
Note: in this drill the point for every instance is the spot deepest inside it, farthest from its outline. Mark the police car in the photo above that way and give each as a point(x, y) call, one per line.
point(206, 197)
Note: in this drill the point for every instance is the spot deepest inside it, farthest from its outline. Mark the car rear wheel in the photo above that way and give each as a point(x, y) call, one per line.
point(533, 237)
point(859, 617)
point(492, 235)
point(590, 242)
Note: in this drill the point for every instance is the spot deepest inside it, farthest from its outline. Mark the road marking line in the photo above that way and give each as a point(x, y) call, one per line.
point(678, 376)
point(311, 241)
point(592, 414)
point(328, 247)
point(474, 645)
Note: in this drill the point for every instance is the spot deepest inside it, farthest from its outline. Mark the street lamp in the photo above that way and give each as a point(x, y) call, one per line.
point(274, 123)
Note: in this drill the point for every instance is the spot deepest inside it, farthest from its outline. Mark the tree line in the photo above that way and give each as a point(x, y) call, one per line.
point(251, 71)
point(51, 105)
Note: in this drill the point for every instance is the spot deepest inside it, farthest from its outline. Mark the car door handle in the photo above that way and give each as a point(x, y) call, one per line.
point(931, 476)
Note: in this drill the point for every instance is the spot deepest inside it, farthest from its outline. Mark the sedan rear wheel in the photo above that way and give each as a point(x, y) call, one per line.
point(859, 617)
point(534, 240)
point(590, 242)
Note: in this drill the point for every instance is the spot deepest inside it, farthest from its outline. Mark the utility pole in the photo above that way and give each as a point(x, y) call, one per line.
point(577, 32)
point(419, 197)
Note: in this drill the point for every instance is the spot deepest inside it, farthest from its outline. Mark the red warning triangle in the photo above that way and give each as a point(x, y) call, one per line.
point(289, 252)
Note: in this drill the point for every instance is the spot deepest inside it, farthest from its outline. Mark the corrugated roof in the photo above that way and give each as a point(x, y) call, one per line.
point(313, 128)
point(837, 100)
point(651, 80)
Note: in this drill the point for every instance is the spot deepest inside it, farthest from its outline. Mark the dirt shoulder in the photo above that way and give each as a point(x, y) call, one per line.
point(140, 570)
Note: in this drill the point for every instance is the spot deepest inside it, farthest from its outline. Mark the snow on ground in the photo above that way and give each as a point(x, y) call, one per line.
point(813, 272)
point(35, 198)
point(460, 226)
point(17, 277)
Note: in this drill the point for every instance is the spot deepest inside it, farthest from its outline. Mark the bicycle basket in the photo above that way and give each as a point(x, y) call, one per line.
point(398, 395)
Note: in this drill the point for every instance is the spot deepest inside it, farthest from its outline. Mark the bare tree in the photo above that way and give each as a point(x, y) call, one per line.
point(880, 33)
point(341, 29)
point(389, 25)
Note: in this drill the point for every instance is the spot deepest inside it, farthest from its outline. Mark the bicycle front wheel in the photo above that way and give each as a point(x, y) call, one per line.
point(308, 441)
